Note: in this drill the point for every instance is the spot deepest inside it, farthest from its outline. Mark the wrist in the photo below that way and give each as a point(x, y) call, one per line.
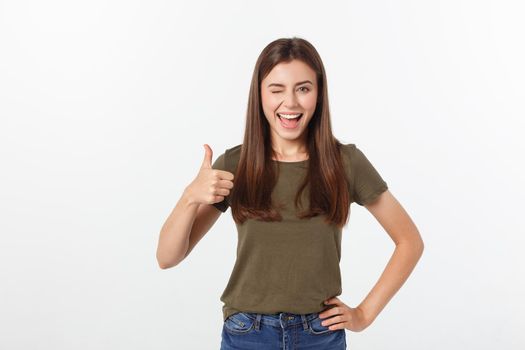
point(187, 198)
point(366, 315)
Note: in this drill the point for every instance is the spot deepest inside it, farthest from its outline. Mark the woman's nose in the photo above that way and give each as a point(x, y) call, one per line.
point(290, 100)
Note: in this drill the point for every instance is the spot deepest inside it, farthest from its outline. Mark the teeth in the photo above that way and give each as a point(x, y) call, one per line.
point(289, 116)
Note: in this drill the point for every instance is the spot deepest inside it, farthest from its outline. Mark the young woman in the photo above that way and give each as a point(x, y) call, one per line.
point(290, 185)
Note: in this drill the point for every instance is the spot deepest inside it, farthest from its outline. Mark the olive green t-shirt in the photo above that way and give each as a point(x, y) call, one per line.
point(291, 265)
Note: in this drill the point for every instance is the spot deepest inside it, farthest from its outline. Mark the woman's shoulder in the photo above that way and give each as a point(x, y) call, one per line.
point(348, 150)
point(231, 157)
point(348, 146)
point(234, 151)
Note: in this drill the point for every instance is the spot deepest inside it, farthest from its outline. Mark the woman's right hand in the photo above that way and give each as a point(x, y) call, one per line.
point(211, 185)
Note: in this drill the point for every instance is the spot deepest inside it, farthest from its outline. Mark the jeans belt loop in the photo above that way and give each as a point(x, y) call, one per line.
point(305, 324)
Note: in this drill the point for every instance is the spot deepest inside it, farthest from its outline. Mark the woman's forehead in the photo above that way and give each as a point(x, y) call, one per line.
point(294, 72)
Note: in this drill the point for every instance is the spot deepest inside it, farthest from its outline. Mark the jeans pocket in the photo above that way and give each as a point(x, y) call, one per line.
point(239, 323)
point(315, 326)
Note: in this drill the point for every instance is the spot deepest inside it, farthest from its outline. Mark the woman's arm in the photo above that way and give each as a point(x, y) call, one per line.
point(409, 248)
point(194, 213)
point(174, 235)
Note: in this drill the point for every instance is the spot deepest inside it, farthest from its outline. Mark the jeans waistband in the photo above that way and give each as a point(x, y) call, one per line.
point(282, 319)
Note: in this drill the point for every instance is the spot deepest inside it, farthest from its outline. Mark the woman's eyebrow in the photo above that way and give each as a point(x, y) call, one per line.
point(299, 83)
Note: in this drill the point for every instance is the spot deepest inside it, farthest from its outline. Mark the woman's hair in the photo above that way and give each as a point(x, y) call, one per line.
point(255, 176)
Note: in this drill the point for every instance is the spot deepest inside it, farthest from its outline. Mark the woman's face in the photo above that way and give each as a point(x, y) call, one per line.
point(290, 88)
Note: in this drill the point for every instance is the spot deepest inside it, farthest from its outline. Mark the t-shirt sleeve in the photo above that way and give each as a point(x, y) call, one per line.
point(366, 183)
point(220, 163)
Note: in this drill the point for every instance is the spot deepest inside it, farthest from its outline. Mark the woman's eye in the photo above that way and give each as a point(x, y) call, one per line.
point(302, 87)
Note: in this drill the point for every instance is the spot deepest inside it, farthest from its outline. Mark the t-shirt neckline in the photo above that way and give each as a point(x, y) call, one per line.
point(294, 162)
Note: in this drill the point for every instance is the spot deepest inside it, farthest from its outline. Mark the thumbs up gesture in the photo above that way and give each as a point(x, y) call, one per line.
point(210, 185)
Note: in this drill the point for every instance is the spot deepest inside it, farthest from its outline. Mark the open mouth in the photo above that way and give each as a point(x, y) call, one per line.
point(290, 121)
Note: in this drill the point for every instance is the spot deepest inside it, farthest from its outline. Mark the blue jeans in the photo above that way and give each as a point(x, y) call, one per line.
point(283, 331)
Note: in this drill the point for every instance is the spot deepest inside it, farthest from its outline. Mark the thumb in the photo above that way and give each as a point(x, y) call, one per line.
point(206, 163)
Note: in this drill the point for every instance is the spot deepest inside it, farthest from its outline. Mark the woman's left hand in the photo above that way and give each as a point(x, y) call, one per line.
point(342, 316)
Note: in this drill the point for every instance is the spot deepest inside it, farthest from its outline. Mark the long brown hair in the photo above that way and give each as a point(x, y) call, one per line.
point(255, 178)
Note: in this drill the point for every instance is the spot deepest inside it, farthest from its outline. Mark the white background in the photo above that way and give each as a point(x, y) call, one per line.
point(105, 107)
